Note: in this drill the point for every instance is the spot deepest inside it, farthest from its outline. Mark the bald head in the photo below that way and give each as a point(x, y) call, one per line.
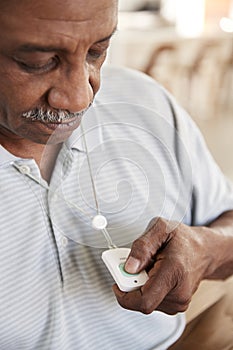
point(48, 6)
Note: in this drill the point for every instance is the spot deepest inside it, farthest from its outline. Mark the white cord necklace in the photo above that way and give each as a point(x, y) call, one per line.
point(99, 221)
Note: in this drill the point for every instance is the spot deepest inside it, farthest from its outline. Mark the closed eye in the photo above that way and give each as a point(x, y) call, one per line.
point(95, 54)
point(38, 67)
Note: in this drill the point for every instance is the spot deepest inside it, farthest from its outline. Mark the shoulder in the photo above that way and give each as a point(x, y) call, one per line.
point(126, 82)
point(120, 84)
point(128, 74)
point(131, 87)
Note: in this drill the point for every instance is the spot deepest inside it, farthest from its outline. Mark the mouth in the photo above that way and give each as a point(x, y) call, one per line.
point(61, 126)
point(47, 120)
point(48, 116)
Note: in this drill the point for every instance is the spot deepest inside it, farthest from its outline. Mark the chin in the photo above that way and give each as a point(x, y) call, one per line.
point(51, 133)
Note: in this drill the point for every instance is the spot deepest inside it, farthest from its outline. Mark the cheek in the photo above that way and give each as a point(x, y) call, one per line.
point(18, 93)
point(16, 97)
point(94, 75)
point(19, 88)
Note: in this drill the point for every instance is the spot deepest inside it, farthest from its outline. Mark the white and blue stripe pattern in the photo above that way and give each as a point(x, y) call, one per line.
point(55, 292)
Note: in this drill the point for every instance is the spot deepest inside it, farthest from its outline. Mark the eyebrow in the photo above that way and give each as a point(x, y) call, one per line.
point(34, 47)
point(108, 37)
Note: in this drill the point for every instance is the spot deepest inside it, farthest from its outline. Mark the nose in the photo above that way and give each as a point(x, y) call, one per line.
point(72, 91)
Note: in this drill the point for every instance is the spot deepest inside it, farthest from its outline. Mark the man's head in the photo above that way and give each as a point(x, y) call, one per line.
point(51, 53)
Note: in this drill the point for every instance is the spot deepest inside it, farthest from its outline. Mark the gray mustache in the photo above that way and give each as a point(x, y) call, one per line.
point(49, 116)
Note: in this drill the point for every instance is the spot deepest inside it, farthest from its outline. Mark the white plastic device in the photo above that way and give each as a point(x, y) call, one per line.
point(115, 260)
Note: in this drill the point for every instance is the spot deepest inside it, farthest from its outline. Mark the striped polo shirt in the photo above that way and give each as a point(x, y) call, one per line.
point(144, 153)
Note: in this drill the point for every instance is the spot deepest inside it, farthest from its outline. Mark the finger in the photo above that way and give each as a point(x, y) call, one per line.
point(144, 248)
point(152, 294)
point(171, 308)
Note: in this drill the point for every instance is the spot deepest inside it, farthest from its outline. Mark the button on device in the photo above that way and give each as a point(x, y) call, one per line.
point(64, 241)
point(24, 169)
point(115, 259)
point(126, 274)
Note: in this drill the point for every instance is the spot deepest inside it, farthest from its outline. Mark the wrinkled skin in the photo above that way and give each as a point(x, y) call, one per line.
point(50, 56)
point(177, 257)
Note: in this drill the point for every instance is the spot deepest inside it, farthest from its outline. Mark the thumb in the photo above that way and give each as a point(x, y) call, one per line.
point(132, 264)
point(145, 248)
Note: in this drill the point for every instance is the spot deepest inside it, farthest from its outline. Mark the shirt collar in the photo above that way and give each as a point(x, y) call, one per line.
point(91, 130)
point(6, 157)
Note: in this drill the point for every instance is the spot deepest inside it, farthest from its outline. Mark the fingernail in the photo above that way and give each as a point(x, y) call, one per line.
point(132, 265)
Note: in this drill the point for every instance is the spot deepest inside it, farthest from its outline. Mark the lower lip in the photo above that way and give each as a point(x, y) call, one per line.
point(72, 124)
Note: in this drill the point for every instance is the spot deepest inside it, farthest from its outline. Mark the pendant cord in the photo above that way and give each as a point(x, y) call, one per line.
point(104, 231)
point(90, 170)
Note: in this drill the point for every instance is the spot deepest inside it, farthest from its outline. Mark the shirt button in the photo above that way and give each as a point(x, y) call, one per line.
point(24, 169)
point(55, 197)
point(64, 241)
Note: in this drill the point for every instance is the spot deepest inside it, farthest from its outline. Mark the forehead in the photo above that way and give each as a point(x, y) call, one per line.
point(35, 19)
point(56, 8)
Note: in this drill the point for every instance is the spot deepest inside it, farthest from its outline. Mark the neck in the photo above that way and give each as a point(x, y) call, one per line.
point(44, 155)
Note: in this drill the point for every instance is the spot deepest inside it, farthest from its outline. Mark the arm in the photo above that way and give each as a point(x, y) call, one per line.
point(177, 257)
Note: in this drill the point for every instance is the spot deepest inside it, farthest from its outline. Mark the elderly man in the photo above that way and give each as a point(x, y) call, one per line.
point(55, 291)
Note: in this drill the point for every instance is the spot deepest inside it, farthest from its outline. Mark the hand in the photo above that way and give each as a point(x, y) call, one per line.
point(177, 257)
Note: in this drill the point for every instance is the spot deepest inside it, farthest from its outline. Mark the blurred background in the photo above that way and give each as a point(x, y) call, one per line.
point(186, 45)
